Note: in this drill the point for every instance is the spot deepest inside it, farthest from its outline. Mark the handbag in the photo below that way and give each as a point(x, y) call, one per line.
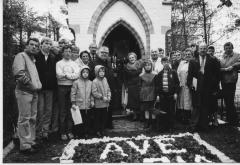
point(124, 96)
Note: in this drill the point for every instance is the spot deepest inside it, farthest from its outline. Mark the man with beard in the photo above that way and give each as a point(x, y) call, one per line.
point(27, 86)
point(102, 58)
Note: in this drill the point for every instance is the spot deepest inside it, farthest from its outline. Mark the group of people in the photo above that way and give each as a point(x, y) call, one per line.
point(186, 85)
point(52, 81)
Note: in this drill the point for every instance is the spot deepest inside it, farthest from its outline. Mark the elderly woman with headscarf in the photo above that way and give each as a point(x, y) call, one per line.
point(132, 70)
point(184, 101)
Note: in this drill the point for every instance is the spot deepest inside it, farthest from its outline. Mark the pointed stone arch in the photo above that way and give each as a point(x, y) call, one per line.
point(137, 8)
point(130, 28)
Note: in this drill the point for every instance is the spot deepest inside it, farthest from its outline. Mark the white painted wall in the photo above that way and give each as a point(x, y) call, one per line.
point(160, 16)
point(81, 13)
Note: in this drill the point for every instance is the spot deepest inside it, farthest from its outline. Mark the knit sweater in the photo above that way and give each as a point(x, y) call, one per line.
point(67, 71)
point(227, 61)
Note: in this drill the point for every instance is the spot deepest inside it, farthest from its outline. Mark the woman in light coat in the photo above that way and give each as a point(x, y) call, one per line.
point(184, 101)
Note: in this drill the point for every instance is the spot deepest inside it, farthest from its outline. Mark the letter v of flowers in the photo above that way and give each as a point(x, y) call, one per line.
point(142, 151)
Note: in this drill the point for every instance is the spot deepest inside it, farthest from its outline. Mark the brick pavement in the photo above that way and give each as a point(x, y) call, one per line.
point(125, 125)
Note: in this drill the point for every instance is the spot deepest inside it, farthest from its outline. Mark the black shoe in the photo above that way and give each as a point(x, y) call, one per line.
point(86, 136)
point(110, 127)
point(99, 134)
point(37, 146)
point(28, 151)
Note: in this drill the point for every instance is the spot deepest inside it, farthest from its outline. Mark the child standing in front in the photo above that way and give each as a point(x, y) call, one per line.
point(167, 85)
point(102, 96)
point(147, 94)
point(81, 96)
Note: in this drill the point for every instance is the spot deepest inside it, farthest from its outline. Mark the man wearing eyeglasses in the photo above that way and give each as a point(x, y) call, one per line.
point(93, 51)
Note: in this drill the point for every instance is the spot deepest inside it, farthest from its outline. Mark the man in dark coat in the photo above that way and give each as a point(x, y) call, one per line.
point(93, 51)
point(103, 59)
point(46, 67)
point(206, 70)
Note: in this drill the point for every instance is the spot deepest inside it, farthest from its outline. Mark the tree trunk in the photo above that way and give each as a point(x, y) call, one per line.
point(204, 21)
point(184, 26)
point(20, 36)
point(29, 34)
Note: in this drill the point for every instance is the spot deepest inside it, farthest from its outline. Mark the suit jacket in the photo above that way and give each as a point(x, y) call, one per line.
point(173, 82)
point(46, 71)
point(208, 83)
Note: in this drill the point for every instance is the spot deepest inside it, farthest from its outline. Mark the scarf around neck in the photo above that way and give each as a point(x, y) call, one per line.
point(134, 66)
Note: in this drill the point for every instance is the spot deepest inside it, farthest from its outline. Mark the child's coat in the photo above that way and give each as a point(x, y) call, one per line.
point(81, 92)
point(100, 89)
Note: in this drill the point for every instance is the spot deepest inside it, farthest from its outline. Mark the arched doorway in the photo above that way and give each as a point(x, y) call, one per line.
point(121, 41)
point(138, 9)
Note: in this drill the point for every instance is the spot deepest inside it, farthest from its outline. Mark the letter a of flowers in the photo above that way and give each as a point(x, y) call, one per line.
point(108, 149)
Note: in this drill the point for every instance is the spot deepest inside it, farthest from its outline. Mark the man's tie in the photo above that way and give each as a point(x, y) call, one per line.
point(202, 65)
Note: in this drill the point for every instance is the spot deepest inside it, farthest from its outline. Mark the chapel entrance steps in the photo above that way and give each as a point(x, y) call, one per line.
point(124, 125)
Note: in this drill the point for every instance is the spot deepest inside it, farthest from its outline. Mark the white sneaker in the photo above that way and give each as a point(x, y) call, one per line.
point(70, 136)
point(64, 137)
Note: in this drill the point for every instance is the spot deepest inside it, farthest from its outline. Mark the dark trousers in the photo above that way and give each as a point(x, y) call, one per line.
point(55, 113)
point(204, 109)
point(167, 104)
point(84, 128)
point(108, 123)
point(229, 90)
point(64, 103)
point(100, 117)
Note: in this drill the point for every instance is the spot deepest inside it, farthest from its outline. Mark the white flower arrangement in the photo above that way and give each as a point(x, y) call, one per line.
point(142, 151)
point(163, 141)
point(163, 159)
point(108, 149)
point(198, 159)
point(163, 146)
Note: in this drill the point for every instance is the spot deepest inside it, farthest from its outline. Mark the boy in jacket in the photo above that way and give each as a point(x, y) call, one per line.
point(81, 96)
point(102, 96)
point(167, 84)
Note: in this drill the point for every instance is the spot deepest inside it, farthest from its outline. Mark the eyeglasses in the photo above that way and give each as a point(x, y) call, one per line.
point(105, 52)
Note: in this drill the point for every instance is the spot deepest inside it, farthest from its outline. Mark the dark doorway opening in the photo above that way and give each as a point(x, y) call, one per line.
point(120, 42)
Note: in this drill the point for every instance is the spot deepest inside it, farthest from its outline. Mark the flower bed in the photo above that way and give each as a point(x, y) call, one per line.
point(165, 148)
